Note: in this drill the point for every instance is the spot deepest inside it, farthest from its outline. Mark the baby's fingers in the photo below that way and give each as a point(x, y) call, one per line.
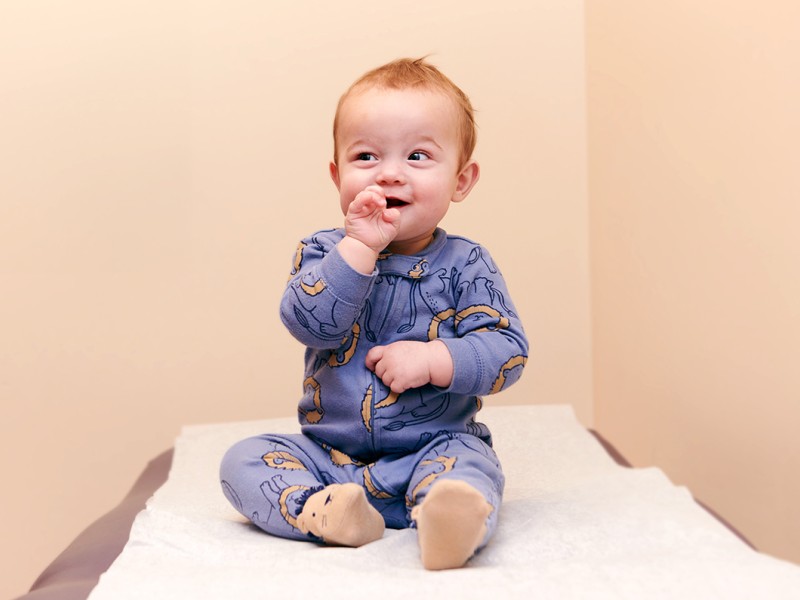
point(391, 215)
point(367, 200)
point(373, 357)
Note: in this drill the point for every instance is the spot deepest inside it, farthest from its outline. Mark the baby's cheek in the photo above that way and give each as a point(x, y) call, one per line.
point(344, 204)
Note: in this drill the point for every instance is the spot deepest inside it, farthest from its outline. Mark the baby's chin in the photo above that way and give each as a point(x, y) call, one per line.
point(413, 245)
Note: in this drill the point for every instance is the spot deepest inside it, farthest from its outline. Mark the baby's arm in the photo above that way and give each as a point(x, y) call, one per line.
point(406, 364)
point(370, 227)
point(324, 295)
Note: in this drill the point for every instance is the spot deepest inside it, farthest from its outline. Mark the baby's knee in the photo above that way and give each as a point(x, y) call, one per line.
point(236, 457)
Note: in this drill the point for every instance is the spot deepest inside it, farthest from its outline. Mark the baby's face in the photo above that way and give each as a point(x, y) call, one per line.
point(407, 143)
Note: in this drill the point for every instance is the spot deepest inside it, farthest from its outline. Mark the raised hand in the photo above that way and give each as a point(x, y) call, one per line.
point(369, 221)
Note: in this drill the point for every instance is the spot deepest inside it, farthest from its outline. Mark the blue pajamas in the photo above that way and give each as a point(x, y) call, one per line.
point(354, 428)
point(267, 478)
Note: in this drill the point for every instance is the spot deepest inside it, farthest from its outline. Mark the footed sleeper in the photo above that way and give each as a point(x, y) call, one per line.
point(354, 428)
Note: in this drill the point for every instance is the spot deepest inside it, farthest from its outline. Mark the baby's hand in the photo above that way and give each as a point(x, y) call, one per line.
point(404, 365)
point(369, 221)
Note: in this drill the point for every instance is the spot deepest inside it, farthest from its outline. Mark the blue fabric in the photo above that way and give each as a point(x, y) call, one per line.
point(452, 292)
point(354, 429)
point(267, 478)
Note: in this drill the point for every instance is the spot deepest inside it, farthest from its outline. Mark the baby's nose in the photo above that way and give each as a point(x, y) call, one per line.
point(390, 173)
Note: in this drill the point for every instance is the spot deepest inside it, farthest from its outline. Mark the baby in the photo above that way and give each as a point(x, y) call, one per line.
point(405, 327)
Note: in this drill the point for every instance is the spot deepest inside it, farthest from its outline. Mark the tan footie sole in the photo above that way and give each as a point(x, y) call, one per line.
point(451, 523)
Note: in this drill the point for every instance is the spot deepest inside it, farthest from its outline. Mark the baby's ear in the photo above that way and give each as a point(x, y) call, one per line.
point(466, 180)
point(334, 171)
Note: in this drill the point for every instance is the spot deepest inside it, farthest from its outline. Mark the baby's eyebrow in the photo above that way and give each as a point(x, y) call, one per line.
point(359, 142)
point(429, 139)
point(366, 143)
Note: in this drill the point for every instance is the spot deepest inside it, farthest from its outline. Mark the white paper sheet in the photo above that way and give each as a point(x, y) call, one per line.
point(573, 525)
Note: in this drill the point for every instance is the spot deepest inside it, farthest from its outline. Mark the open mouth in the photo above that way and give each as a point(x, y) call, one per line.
point(395, 203)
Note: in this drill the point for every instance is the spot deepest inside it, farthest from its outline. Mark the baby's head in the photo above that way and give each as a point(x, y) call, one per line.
point(406, 73)
point(407, 131)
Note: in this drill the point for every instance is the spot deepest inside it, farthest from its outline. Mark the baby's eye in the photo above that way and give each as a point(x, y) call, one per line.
point(365, 156)
point(418, 156)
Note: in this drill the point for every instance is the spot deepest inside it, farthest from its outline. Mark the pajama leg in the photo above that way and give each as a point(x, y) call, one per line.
point(386, 482)
point(268, 478)
point(459, 457)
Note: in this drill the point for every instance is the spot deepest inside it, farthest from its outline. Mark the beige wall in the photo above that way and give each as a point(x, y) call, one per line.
point(159, 162)
point(695, 207)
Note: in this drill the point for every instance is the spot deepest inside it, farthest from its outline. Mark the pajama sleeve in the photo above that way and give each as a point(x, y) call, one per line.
point(490, 349)
point(324, 295)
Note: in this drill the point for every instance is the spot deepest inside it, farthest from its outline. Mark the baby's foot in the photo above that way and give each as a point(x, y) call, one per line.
point(451, 523)
point(341, 515)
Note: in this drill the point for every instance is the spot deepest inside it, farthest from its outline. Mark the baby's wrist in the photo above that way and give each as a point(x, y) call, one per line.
point(357, 254)
point(440, 364)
